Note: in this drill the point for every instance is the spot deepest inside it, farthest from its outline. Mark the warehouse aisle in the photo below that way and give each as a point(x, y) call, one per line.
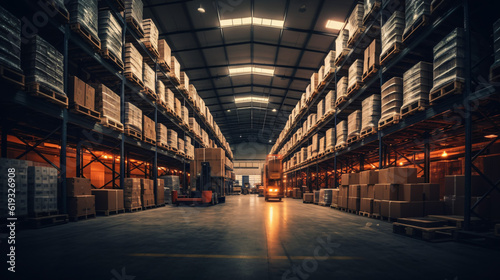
point(246, 238)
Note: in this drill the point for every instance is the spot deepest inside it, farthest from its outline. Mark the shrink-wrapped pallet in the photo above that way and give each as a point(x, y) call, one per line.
point(391, 99)
point(148, 77)
point(417, 82)
point(160, 91)
point(178, 108)
point(341, 134)
point(132, 193)
point(185, 115)
point(303, 100)
point(314, 82)
point(10, 40)
point(133, 117)
point(414, 9)
point(165, 52)
point(321, 148)
point(355, 73)
point(355, 21)
point(369, 4)
point(42, 189)
point(180, 145)
point(309, 152)
point(172, 138)
point(184, 81)
point(110, 33)
point(107, 103)
point(330, 139)
point(312, 119)
point(175, 68)
point(308, 93)
point(193, 93)
point(148, 128)
point(329, 63)
point(341, 43)
point(320, 109)
point(325, 196)
point(315, 143)
point(353, 124)
point(449, 59)
point(170, 99)
point(133, 61)
point(150, 39)
point(84, 12)
point(370, 113)
point(342, 88)
point(134, 11)
point(392, 32)
point(321, 74)
point(161, 134)
point(329, 102)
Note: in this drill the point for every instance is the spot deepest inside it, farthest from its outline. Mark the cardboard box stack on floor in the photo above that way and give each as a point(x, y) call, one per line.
point(108, 199)
point(147, 193)
point(308, 197)
point(160, 193)
point(80, 201)
point(132, 193)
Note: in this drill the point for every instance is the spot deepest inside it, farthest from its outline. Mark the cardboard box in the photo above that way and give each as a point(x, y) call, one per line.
point(81, 205)
point(78, 186)
point(388, 192)
point(413, 192)
point(160, 192)
point(76, 91)
point(354, 191)
point(90, 97)
point(398, 175)
point(308, 197)
point(108, 199)
point(366, 205)
point(401, 209)
point(368, 177)
point(353, 203)
point(367, 191)
point(431, 192)
point(343, 201)
point(455, 185)
point(350, 179)
point(377, 206)
point(335, 196)
point(372, 55)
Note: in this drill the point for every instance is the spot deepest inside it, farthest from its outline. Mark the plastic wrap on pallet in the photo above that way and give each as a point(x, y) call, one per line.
point(342, 88)
point(133, 60)
point(321, 147)
point(165, 52)
point(180, 145)
point(329, 102)
point(21, 186)
point(134, 10)
point(417, 82)
point(496, 40)
point(355, 21)
point(370, 112)
point(133, 117)
point(160, 91)
point(330, 139)
point(85, 13)
point(149, 77)
point(106, 103)
point(341, 133)
point(172, 138)
point(325, 196)
point(392, 31)
point(171, 182)
point(329, 63)
point(43, 64)
point(175, 67)
point(392, 98)
point(184, 80)
point(354, 124)
point(320, 109)
point(449, 59)
point(369, 6)
point(10, 40)
point(355, 73)
point(315, 143)
point(42, 189)
point(110, 33)
point(150, 33)
point(161, 134)
point(414, 9)
point(185, 115)
point(341, 42)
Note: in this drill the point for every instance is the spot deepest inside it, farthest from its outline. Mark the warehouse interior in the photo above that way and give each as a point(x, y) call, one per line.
point(250, 139)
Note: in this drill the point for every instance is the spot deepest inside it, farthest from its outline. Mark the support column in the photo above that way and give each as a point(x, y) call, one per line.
point(468, 121)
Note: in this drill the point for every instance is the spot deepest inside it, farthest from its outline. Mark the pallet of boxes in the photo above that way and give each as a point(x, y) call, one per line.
point(10, 39)
point(82, 98)
point(132, 194)
point(108, 201)
point(216, 158)
point(80, 201)
point(147, 194)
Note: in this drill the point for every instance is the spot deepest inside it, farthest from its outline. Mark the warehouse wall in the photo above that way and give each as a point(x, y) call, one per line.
point(250, 151)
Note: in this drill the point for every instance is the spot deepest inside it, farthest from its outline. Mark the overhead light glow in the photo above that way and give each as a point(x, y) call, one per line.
point(251, 99)
point(201, 9)
point(245, 70)
point(270, 140)
point(252, 21)
point(333, 24)
point(491, 136)
point(274, 110)
point(444, 154)
point(228, 110)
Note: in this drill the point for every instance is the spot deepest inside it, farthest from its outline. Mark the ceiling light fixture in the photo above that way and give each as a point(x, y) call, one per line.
point(245, 70)
point(270, 140)
point(274, 110)
point(444, 154)
point(228, 110)
point(490, 136)
point(201, 9)
point(251, 99)
point(333, 24)
point(252, 21)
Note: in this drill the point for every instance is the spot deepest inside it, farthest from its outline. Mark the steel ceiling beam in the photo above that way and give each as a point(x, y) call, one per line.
point(246, 93)
point(224, 76)
point(249, 85)
point(311, 32)
point(255, 63)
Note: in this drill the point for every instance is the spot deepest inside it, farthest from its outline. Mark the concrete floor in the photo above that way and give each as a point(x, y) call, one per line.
point(245, 238)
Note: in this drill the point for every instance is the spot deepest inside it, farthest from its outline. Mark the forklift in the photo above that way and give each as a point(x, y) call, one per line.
point(273, 184)
point(208, 191)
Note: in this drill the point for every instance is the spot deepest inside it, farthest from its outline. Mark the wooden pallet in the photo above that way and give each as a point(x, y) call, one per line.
point(456, 221)
point(413, 108)
point(340, 101)
point(111, 124)
point(134, 79)
point(150, 94)
point(11, 76)
point(368, 131)
point(440, 5)
point(44, 214)
point(365, 214)
point(135, 26)
point(309, 202)
point(151, 48)
point(354, 88)
point(164, 65)
point(174, 79)
point(133, 209)
point(50, 95)
point(425, 222)
point(329, 151)
point(61, 14)
point(133, 133)
point(428, 234)
point(371, 71)
point(422, 21)
point(394, 119)
point(351, 211)
point(111, 57)
point(352, 139)
point(340, 147)
point(341, 56)
point(395, 49)
point(148, 207)
point(149, 140)
point(89, 113)
point(109, 212)
point(323, 204)
point(454, 87)
point(82, 217)
point(356, 36)
point(172, 149)
point(372, 13)
point(46, 221)
point(86, 35)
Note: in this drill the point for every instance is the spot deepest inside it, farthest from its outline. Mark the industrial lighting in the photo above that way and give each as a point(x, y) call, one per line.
point(270, 140)
point(444, 154)
point(245, 70)
point(201, 9)
point(333, 24)
point(274, 110)
point(228, 110)
point(252, 21)
point(251, 99)
point(491, 136)
point(401, 163)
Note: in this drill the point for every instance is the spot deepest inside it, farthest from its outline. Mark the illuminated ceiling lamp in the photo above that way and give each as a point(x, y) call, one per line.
point(444, 154)
point(333, 24)
point(201, 9)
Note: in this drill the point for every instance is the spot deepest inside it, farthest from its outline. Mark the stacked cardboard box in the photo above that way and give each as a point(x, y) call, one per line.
point(343, 196)
point(392, 32)
point(180, 145)
point(149, 128)
point(354, 124)
point(165, 52)
point(110, 33)
point(178, 108)
point(133, 61)
point(134, 11)
point(160, 193)
point(341, 42)
point(161, 135)
point(81, 205)
point(321, 148)
point(341, 88)
point(185, 115)
point(147, 193)
point(106, 102)
point(314, 145)
point(10, 38)
point(132, 193)
point(372, 57)
point(133, 117)
point(355, 73)
point(321, 74)
point(150, 34)
point(370, 114)
point(108, 199)
point(320, 110)
point(84, 12)
point(354, 197)
point(214, 156)
point(172, 139)
point(449, 59)
point(355, 21)
point(160, 92)
point(308, 197)
point(81, 94)
point(391, 99)
point(341, 134)
point(149, 77)
point(314, 81)
point(417, 82)
point(175, 68)
point(184, 81)
point(329, 139)
point(329, 63)
point(369, 4)
point(42, 189)
point(170, 99)
point(329, 102)
point(20, 175)
point(193, 125)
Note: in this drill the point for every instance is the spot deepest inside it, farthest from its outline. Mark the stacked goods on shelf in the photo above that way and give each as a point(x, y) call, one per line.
point(149, 130)
point(303, 155)
point(321, 74)
point(449, 63)
point(341, 90)
point(43, 65)
point(370, 114)
point(353, 126)
point(133, 119)
point(106, 103)
point(335, 198)
point(314, 81)
point(329, 64)
point(161, 135)
point(180, 145)
point(312, 120)
point(178, 108)
point(314, 145)
point(214, 156)
point(134, 14)
point(172, 139)
point(309, 152)
point(160, 92)
point(110, 33)
point(415, 13)
point(83, 16)
point(184, 81)
point(185, 115)
point(150, 39)
point(329, 102)
point(149, 79)
point(160, 192)
point(171, 183)
point(133, 64)
point(325, 197)
point(370, 6)
point(169, 99)
point(193, 94)
point(417, 82)
point(81, 94)
point(108, 200)
point(165, 54)
point(308, 93)
point(194, 126)
point(329, 139)
point(392, 35)
point(10, 40)
point(371, 59)
point(42, 189)
point(355, 23)
point(341, 48)
point(175, 69)
point(355, 76)
point(391, 101)
point(341, 135)
point(21, 186)
point(147, 193)
point(320, 110)
point(321, 149)
point(132, 193)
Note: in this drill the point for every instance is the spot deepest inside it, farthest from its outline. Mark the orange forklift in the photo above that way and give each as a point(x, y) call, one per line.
point(273, 184)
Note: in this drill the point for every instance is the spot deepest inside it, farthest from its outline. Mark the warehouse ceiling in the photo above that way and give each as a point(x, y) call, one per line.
point(206, 53)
